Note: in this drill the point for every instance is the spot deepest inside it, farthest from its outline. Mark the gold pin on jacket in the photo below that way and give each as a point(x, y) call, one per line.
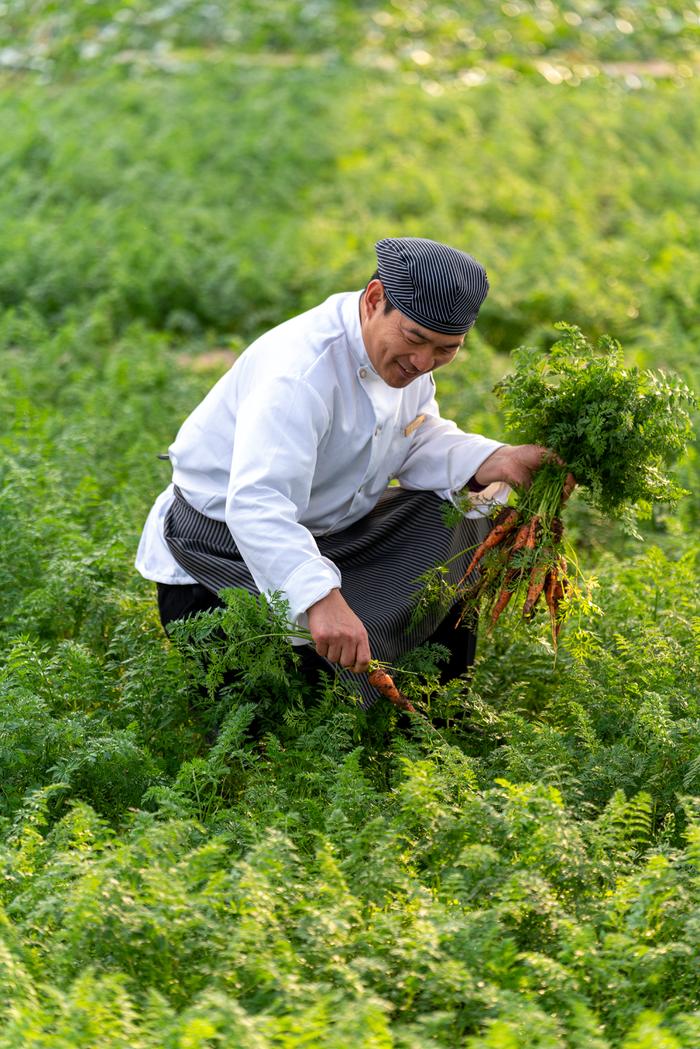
point(413, 426)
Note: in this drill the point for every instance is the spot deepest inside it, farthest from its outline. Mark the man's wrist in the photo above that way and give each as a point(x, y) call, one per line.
point(486, 475)
point(331, 594)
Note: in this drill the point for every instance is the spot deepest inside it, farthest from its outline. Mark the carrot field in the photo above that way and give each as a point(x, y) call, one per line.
point(198, 848)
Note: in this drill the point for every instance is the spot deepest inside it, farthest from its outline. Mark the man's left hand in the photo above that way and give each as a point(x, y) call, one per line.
point(514, 464)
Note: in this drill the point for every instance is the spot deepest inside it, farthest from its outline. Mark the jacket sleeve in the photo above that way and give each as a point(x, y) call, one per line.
point(279, 426)
point(442, 458)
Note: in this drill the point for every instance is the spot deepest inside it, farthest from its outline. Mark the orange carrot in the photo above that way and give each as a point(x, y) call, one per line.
point(495, 536)
point(532, 533)
point(384, 683)
point(502, 601)
point(503, 515)
point(552, 587)
point(521, 537)
point(559, 587)
point(537, 580)
point(505, 596)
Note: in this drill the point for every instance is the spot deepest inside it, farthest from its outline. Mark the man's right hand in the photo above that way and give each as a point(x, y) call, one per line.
point(339, 635)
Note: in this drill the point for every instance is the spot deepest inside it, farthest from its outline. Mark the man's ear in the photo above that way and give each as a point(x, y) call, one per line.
point(374, 296)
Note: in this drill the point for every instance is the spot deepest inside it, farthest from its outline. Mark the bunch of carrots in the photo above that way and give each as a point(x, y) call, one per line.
point(523, 554)
point(617, 428)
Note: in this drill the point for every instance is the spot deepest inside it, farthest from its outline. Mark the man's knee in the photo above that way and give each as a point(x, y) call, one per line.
point(178, 601)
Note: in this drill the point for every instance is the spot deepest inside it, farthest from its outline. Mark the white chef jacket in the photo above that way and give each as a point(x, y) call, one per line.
point(300, 438)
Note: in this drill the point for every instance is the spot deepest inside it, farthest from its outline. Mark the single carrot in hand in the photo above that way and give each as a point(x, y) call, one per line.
point(384, 683)
point(495, 536)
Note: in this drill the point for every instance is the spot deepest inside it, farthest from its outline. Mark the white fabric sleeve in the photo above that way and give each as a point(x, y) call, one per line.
point(442, 458)
point(278, 428)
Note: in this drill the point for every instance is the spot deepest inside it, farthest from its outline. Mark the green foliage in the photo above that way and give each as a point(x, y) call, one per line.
point(616, 428)
point(45, 39)
point(196, 847)
point(619, 710)
point(249, 635)
point(503, 916)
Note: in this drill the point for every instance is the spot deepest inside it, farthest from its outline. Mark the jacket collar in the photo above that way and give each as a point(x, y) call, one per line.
point(350, 312)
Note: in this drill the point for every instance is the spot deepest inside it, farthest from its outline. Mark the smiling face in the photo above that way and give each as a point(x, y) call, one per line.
point(399, 349)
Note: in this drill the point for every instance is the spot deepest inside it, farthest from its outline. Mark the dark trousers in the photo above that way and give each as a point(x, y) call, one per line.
point(180, 601)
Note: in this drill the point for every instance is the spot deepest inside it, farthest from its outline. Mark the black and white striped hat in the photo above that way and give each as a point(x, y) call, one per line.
point(436, 286)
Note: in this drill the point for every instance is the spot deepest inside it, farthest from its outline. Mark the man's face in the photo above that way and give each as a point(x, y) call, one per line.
point(399, 349)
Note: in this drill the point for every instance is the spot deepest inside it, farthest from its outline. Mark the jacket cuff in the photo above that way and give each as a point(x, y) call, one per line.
point(307, 584)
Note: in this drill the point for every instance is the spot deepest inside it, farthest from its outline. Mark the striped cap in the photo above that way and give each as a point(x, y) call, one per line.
point(436, 286)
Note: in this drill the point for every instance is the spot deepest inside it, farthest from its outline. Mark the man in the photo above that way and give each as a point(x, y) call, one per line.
point(281, 475)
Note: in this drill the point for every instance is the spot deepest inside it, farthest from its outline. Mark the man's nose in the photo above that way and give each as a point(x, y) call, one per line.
point(422, 359)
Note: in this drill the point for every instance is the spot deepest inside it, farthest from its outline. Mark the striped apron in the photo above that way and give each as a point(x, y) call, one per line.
point(380, 557)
